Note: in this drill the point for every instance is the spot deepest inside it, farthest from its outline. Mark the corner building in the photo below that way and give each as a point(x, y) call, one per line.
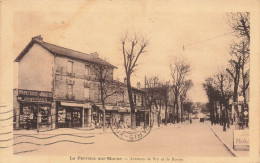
point(56, 87)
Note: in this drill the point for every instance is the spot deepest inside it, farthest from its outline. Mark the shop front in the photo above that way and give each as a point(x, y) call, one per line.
point(142, 117)
point(34, 110)
point(70, 115)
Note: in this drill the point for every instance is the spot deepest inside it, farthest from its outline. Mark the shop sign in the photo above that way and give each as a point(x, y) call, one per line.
point(241, 140)
point(76, 109)
point(31, 96)
point(32, 93)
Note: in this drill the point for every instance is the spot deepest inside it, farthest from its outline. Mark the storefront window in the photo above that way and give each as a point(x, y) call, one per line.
point(45, 113)
point(61, 115)
point(30, 113)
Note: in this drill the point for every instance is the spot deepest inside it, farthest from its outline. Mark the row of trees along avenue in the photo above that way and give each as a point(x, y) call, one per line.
point(134, 46)
point(234, 80)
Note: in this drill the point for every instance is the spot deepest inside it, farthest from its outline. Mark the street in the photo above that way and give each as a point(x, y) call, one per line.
point(179, 140)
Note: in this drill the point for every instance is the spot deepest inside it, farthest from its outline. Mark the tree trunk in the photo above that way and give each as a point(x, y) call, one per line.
point(176, 107)
point(228, 119)
point(103, 104)
point(216, 113)
point(235, 97)
point(166, 115)
point(211, 112)
point(159, 115)
point(181, 111)
point(130, 97)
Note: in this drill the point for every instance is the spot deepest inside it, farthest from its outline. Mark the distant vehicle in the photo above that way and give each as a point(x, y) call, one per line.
point(194, 117)
point(207, 118)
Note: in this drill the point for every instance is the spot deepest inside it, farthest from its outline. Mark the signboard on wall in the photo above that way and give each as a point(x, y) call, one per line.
point(241, 140)
point(32, 95)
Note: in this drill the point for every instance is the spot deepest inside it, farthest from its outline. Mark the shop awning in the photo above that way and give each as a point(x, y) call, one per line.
point(72, 104)
point(124, 109)
point(108, 108)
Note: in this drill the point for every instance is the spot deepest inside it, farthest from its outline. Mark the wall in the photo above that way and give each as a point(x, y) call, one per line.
point(78, 79)
point(35, 69)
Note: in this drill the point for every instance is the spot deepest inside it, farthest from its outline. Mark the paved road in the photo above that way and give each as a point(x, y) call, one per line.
point(179, 140)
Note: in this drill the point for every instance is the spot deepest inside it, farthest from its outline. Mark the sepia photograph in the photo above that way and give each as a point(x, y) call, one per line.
point(129, 81)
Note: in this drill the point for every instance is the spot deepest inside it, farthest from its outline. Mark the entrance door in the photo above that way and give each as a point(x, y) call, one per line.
point(74, 117)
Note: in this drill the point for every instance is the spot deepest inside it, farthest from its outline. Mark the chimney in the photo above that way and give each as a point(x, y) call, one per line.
point(125, 81)
point(38, 38)
point(95, 54)
point(138, 85)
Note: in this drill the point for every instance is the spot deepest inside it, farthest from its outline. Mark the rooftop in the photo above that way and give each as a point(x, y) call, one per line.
point(58, 50)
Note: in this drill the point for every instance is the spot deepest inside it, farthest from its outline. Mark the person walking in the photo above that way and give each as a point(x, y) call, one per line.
point(31, 120)
point(39, 120)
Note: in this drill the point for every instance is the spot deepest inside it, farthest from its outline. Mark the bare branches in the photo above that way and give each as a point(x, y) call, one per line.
point(183, 93)
point(156, 91)
point(133, 46)
point(240, 22)
point(179, 71)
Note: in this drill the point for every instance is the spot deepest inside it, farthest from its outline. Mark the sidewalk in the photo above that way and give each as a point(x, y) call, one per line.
point(62, 131)
point(226, 137)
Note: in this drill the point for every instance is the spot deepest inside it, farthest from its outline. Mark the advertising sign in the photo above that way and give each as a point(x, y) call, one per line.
point(241, 140)
point(32, 96)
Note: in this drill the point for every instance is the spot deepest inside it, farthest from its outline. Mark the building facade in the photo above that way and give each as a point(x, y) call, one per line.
point(56, 86)
point(60, 88)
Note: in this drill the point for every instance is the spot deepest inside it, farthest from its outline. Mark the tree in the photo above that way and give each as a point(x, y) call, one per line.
point(240, 23)
point(133, 46)
point(179, 71)
point(187, 106)
point(244, 51)
point(107, 86)
point(157, 94)
point(234, 72)
point(223, 83)
point(183, 94)
point(213, 96)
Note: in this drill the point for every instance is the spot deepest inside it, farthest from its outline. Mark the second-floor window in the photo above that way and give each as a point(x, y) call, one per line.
point(86, 93)
point(70, 90)
point(135, 99)
point(87, 70)
point(70, 67)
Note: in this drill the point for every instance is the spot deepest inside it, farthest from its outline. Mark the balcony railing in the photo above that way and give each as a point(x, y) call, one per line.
point(70, 97)
point(87, 99)
point(70, 74)
point(87, 77)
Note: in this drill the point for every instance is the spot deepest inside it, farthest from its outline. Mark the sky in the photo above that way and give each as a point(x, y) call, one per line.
point(94, 26)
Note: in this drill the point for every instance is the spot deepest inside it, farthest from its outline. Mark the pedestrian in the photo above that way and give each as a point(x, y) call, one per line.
point(31, 120)
point(27, 122)
point(39, 120)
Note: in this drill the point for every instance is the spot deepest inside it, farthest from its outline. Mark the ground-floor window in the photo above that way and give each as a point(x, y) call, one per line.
point(31, 113)
point(69, 117)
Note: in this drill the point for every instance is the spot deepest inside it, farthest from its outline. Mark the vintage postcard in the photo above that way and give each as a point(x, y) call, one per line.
point(129, 81)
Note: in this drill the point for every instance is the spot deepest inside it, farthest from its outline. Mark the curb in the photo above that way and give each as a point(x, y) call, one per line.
point(233, 153)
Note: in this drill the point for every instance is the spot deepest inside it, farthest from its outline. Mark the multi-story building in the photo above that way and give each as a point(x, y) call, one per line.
point(60, 87)
point(57, 84)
